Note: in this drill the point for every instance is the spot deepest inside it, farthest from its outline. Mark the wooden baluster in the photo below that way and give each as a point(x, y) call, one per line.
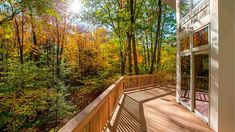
point(109, 112)
point(148, 80)
point(138, 83)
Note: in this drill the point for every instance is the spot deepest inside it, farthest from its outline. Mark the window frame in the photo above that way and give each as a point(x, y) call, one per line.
point(202, 47)
point(191, 8)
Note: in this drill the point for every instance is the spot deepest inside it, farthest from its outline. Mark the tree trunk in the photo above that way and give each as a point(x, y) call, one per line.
point(61, 48)
point(132, 15)
point(135, 55)
point(151, 49)
point(57, 49)
point(19, 41)
point(20, 44)
point(63, 41)
point(122, 54)
point(160, 41)
point(157, 36)
point(129, 53)
point(2, 50)
point(6, 47)
point(145, 56)
point(147, 49)
point(47, 52)
point(34, 49)
point(123, 62)
point(2, 60)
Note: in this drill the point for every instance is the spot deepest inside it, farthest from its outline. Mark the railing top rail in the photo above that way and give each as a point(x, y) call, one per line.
point(144, 75)
point(85, 115)
point(141, 75)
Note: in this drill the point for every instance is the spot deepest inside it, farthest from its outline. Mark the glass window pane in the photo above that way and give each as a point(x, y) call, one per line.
point(205, 36)
point(185, 80)
point(196, 39)
point(201, 83)
point(185, 43)
point(184, 7)
point(200, 38)
point(195, 2)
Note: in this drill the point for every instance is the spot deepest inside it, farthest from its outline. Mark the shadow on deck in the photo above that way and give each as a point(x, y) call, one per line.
point(154, 109)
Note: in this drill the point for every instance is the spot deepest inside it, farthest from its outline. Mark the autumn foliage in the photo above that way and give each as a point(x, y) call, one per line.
point(52, 65)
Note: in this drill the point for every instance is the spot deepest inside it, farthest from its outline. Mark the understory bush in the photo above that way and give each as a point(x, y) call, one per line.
point(30, 108)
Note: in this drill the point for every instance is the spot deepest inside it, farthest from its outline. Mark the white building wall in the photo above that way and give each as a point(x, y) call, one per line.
point(226, 66)
point(178, 72)
point(214, 66)
point(221, 20)
point(234, 62)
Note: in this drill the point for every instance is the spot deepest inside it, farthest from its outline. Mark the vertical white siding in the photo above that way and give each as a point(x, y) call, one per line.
point(226, 66)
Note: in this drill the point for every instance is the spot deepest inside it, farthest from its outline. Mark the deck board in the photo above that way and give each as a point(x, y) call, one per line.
point(154, 109)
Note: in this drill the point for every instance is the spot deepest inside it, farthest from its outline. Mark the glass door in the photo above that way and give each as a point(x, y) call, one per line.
point(201, 84)
point(185, 81)
point(194, 52)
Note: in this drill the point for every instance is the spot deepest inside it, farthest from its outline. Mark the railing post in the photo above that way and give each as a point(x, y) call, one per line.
point(123, 85)
point(138, 82)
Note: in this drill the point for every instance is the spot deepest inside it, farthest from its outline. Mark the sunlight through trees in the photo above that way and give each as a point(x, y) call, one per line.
point(57, 56)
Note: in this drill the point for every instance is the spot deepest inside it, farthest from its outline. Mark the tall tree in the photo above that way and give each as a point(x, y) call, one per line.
point(161, 38)
point(111, 14)
point(19, 39)
point(132, 34)
point(158, 31)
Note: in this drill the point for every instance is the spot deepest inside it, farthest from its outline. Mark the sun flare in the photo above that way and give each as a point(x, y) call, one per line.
point(76, 6)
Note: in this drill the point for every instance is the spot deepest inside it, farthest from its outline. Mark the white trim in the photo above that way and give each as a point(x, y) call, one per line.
point(194, 8)
point(201, 116)
point(201, 48)
point(185, 52)
point(192, 81)
point(195, 110)
point(186, 105)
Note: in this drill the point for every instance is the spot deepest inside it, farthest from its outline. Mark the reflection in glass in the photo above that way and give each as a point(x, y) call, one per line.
point(200, 38)
point(185, 80)
point(195, 2)
point(201, 83)
point(184, 7)
point(185, 43)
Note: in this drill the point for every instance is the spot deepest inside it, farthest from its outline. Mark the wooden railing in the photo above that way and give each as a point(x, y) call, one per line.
point(142, 81)
point(95, 116)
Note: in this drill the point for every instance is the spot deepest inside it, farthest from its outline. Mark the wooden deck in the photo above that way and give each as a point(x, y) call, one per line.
point(138, 103)
point(154, 109)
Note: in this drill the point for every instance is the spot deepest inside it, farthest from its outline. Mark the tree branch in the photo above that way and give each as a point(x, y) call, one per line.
point(8, 18)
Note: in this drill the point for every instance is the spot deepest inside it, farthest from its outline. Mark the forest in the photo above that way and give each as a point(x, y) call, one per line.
point(57, 56)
